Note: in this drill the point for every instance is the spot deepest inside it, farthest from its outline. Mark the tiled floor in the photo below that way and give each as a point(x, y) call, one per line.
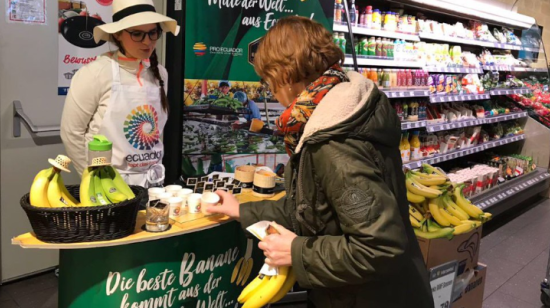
point(515, 249)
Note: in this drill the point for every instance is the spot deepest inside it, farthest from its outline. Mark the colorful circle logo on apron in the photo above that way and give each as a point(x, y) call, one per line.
point(141, 128)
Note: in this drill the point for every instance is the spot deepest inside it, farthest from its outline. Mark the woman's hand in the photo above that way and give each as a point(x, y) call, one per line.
point(230, 205)
point(276, 247)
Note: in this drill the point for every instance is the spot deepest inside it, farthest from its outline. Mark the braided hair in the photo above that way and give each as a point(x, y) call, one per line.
point(154, 68)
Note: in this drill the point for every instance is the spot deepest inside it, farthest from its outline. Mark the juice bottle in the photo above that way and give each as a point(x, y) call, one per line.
point(380, 78)
point(368, 17)
point(356, 45)
point(378, 51)
point(405, 148)
point(336, 38)
point(364, 46)
point(390, 49)
point(394, 78)
point(363, 17)
point(376, 19)
point(372, 46)
point(409, 78)
point(415, 146)
point(374, 76)
point(384, 48)
point(399, 83)
point(343, 42)
point(387, 79)
point(338, 11)
point(353, 16)
point(405, 110)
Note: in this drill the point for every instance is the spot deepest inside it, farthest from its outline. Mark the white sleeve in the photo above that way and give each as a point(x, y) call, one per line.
point(80, 105)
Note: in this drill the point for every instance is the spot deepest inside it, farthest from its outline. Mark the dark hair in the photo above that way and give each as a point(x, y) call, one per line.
point(154, 68)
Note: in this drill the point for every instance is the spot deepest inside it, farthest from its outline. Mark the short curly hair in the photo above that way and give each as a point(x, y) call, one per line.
point(296, 49)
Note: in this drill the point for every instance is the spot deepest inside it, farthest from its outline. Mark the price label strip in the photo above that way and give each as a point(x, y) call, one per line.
point(442, 280)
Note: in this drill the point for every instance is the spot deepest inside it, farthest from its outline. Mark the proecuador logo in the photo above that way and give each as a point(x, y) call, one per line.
point(199, 49)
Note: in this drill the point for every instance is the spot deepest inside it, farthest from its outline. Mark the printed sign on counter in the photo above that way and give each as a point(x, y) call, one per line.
point(76, 23)
point(205, 269)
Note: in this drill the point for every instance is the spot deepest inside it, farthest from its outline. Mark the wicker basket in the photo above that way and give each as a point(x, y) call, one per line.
point(84, 224)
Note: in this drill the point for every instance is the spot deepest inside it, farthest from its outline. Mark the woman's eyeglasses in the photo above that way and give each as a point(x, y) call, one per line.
point(139, 36)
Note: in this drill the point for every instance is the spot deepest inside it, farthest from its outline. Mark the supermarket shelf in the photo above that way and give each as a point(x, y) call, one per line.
point(458, 40)
point(509, 91)
point(412, 125)
point(343, 27)
point(508, 68)
point(459, 124)
point(532, 49)
point(382, 62)
point(457, 98)
point(464, 70)
point(513, 192)
point(464, 152)
point(402, 93)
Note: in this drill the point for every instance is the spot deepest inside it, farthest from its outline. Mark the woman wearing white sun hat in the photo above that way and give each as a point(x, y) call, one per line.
point(122, 95)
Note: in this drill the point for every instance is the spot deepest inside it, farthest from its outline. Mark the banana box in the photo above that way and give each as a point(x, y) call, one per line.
point(471, 293)
point(464, 248)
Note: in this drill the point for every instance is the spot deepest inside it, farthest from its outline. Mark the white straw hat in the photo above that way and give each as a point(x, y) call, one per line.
point(131, 13)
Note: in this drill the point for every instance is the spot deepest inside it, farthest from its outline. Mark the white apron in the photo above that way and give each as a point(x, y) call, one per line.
point(134, 122)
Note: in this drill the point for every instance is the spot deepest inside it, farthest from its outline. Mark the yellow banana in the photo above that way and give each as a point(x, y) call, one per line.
point(109, 187)
point(87, 191)
point(71, 201)
point(39, 189)
point(466, 205)
point(436, 214)
point(268, 292)
point(119, 183)
point(54, 193)
point(433, 170)
point(453, 220)
point(421, 190)
point(463, 228)
point(289, 283)
point(255, 285)
point(414, 222)
point(429, 180)
point(236, 269)
point(454, 209)
point(486, 217)
point(475, 223)
point(414, 213)
point(415, 198)
point(419, 208)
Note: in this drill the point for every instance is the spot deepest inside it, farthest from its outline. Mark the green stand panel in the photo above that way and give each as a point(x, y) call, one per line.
point(191, 270)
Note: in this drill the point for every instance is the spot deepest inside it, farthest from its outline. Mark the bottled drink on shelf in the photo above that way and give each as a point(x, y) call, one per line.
point(343, 42)
point(378, 47)
point(338, 11)
point(372, 47)
point(376, 20)
point(368, 17)
point(353, 13)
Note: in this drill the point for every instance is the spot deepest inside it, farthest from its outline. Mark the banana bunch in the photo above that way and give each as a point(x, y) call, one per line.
point(438, 209)
point(265, 290)
point(102, 186)
point(48, 190)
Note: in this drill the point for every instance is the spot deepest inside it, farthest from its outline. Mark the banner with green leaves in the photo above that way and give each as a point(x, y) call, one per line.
point(221, 36)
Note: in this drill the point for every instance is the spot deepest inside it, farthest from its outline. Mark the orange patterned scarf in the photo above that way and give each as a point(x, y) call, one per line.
point(292, 121)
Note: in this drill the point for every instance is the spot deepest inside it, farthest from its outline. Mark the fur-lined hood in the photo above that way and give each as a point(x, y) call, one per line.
point(354, 109)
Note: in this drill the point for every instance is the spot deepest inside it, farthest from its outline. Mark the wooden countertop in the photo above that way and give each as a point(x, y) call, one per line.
point(187, 223)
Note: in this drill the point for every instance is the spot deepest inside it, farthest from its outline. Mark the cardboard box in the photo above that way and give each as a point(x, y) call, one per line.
point(472, 297)
point(464, 248)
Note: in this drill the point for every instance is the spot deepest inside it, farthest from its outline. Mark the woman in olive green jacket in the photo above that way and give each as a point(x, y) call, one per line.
point(343, 224)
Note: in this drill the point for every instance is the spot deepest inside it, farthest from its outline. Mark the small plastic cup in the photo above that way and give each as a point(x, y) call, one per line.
point(209, 199)
point(194, 203)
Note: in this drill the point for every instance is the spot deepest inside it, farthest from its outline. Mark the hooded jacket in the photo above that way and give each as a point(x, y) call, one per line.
point(346, 201)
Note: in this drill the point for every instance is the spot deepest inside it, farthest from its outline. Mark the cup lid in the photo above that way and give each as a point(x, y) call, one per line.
point(100, 144)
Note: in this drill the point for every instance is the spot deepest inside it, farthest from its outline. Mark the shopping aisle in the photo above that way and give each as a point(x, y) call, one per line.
point(516, 253)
